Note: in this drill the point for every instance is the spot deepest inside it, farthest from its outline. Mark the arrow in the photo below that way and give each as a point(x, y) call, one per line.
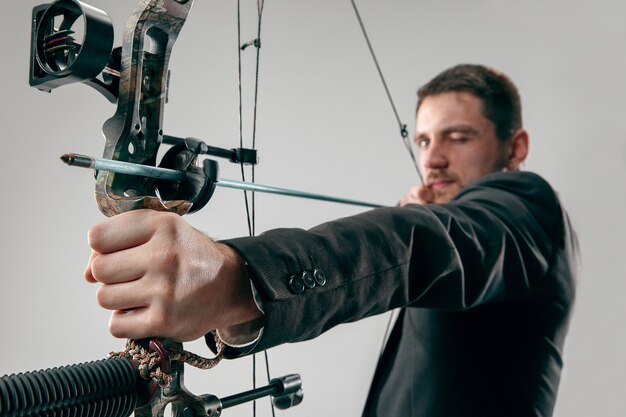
point(102, 164)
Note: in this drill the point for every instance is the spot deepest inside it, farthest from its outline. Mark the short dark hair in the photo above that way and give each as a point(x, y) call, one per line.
point(500, 97)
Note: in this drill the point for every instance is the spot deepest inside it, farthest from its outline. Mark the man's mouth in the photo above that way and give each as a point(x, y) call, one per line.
point(440, 184)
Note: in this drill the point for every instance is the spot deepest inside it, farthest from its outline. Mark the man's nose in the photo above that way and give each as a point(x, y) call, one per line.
point(434, 157)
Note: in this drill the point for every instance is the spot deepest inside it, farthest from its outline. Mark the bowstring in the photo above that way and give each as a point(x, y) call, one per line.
point(403, 130)
point(259, 5)
point(251, 212)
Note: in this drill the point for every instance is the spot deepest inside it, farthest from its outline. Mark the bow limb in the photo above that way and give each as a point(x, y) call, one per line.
point(135, 131)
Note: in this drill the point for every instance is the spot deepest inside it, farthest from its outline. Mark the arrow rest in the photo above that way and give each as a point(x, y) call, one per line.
point(199, 183)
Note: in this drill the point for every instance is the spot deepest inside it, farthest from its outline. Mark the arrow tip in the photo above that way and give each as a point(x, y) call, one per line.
point(68, 158)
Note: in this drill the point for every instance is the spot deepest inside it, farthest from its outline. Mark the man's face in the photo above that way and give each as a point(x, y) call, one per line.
point(457, 143)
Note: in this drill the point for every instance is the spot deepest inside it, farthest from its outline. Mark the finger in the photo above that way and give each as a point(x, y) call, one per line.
point(87, 274)
point(117, 267)
point(130, 324)
point(140, 323)
point(126, 296)
point(123, 231)
point(425, 195)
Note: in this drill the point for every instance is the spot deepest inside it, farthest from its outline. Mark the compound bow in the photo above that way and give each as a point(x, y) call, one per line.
point(135, 76)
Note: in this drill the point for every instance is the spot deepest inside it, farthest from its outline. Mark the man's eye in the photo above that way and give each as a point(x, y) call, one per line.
point(459, 138)
point(422, 142)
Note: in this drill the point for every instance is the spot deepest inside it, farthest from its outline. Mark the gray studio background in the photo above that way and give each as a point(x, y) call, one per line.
point(324, 126)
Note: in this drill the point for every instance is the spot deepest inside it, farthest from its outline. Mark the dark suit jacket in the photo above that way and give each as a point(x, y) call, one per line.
point(486, 283)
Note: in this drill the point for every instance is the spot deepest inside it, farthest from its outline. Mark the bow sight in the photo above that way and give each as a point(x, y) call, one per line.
point(57, 59)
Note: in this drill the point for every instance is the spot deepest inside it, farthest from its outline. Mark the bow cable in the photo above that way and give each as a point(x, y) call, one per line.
point(251, 212)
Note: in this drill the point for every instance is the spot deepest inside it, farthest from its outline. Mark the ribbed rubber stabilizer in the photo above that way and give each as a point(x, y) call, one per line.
point(104, 388)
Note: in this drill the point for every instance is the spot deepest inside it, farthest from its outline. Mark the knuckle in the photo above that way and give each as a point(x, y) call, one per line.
point(169, 256)
point(160, 295)
point(158, 321)
point(166, 258)
point(167, 222)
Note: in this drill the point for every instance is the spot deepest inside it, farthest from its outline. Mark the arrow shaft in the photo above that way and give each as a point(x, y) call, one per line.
point(130, 168)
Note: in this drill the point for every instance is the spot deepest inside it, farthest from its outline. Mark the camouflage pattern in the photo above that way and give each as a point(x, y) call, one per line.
point(135, 131)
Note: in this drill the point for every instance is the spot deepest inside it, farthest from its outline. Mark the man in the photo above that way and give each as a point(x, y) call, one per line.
point(483, 267)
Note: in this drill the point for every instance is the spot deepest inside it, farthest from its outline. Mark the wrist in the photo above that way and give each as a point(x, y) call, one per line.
point(242, 305)
point(241, 334)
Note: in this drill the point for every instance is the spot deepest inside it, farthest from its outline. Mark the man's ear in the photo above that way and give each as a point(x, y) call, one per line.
point(518, 150)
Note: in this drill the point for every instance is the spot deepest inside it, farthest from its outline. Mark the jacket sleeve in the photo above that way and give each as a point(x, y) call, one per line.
point(494, 241)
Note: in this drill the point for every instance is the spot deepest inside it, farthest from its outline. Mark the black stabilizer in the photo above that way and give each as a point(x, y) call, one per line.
point(105, 388)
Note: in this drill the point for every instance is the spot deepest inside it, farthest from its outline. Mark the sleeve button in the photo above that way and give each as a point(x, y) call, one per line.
point(308, 279)
point(319, 277)
point(296, 284)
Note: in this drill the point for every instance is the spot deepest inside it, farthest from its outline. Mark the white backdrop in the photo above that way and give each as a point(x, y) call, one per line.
point(324, 126)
